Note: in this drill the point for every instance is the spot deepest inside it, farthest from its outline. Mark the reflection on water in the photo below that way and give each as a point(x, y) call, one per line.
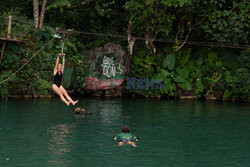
point(109, 112)
point(58, 145)
point(172, 133)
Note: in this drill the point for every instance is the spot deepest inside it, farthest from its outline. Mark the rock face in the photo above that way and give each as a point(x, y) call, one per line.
point(106, 70)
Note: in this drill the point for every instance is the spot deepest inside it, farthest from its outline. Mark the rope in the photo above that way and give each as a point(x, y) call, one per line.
point(195, 43)
point(26, 62)
point(62, 46)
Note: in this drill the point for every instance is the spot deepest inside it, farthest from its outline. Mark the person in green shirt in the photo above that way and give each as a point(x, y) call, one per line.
point(126, 137)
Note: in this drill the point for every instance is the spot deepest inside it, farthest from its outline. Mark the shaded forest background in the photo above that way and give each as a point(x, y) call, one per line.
point(198, 47)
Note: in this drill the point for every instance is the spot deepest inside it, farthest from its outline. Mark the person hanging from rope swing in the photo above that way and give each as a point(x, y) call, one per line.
point(57, 87)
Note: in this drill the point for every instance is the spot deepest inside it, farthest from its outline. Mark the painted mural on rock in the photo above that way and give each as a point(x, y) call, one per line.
point(107, 67)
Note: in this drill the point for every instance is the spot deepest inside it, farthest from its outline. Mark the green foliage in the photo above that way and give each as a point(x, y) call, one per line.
point(5, 87)
point(198, 72)
point(59, 4)
point(168, 87)
point(153, 16)
point(40, 86)
point(226, 21)
point(143, 65)
point(80, 61)
point(169, 62)
point(193, 70)
point(237, 83)
point(181, 78)
point(36, 77)
point(227, 94)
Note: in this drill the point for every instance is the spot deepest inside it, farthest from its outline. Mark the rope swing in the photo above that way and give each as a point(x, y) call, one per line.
point(34, 55)
point(60, 34)
point(62, 45)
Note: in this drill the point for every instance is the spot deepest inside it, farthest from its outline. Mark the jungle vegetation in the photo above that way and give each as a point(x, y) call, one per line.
point(198, 47)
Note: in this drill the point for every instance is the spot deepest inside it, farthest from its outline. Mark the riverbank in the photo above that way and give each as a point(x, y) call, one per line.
point(128, 96)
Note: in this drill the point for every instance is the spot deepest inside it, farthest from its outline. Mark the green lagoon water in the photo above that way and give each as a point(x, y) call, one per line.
point(172, 133)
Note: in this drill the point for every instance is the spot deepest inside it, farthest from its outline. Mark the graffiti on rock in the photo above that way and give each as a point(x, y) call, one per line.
point(107, 67)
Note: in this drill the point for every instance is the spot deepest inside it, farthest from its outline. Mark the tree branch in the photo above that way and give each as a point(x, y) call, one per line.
point(42, 13)
point(184, 42)
point(81, 3)
point(178, 31)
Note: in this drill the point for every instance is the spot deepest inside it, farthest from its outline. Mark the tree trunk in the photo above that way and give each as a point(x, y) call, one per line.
point(131, 40)
point(42, 13)
point(150, 40)
point(36, 14)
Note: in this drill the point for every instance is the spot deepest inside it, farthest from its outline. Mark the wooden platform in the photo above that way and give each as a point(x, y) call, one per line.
point(11, 40)
point(8, 39)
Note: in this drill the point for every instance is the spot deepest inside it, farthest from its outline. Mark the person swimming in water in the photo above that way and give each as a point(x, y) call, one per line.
point(126, 137)
point(57, 87)
point(80, 111)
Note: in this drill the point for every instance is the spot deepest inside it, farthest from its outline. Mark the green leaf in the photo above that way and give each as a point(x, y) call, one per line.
point(165, 73)
point(166, 80)
point(199, 84)
point(219, 63)
point(149, 60)
point(184, 60)
point(190, 66)
point(199, 61)
point(183, 72)
point(179, 79)
point(185, 85)
point(138, 61)
point(228, 77)
point(212, 58)
point(227, 94)
point(169, 62)
point(157, 76)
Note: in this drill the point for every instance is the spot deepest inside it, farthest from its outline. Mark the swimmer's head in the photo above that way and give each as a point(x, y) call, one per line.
point(125, 129)
point(77, 109)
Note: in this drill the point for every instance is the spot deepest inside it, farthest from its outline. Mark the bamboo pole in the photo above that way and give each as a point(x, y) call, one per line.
point(9, 26)
point(1, 58)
